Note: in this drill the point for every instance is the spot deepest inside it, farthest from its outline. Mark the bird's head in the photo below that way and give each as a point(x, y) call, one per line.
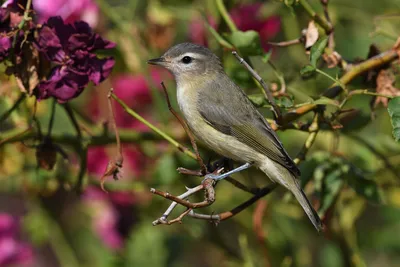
point(189, 62)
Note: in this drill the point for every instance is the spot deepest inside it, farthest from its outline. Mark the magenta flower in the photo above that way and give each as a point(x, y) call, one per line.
point(13, 252)
point(5, 41)
point(133, 90)
point(71, 47)
point(248, 17)
point(104, 217)
point(69, 10)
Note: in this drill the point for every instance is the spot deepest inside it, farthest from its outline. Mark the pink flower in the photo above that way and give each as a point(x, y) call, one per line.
point(105, 216)
point(248, 17)
point(69, 10)
point(134, 91)
point(13, 252)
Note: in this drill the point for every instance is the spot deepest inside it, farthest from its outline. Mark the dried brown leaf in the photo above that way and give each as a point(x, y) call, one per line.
point(311, 35)
point(384, 86)
point(333, 59)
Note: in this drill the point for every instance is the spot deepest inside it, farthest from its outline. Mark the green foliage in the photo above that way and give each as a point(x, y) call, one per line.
point(394, 113)
point(248, 42)
point(315, 53)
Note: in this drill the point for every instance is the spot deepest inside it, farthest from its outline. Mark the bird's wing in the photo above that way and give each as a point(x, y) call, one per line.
point(243, 122)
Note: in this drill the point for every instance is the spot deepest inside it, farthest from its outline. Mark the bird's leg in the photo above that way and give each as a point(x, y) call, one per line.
point(224, 175)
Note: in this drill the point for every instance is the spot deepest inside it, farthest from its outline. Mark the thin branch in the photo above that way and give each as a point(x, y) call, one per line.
point(51, 121)
point(187, 130)
point(225, 15)
point(331, 40)
point(20, 99)
point(286, 43)
point(258, 216)
point(74, 122)
point(313, 129)
point(356, 70)
point(228, 214)
point(317, 18)
point(165, 136)
point(269, 95)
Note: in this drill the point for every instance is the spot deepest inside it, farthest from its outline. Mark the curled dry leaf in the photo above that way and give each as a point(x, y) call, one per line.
point(311, 35)
point(333, 59)
point(384, 86)
point(114, 169)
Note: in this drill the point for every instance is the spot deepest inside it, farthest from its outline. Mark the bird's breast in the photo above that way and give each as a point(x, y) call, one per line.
point(221, 143)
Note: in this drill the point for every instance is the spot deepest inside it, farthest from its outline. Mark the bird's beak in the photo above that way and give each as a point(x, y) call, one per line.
point(157, 61)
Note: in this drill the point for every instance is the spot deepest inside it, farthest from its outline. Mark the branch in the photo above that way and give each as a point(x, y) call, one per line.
point(313, 129)
point(356, 70)
point(20, 99)
point(327, 26)
point(268, 93)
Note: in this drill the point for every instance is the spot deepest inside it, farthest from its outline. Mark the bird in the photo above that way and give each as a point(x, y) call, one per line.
point(222, 117)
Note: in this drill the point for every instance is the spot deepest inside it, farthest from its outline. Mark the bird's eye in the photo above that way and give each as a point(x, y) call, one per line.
point(186, 59)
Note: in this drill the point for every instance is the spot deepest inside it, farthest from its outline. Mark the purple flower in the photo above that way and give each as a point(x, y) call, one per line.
point(5, 41)
point(12, 251)
point(71, 47)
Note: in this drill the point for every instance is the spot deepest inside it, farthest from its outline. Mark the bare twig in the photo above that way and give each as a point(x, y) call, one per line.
point(228, 214)
point(268, 93)
point(20, 99)
point(331, 40)
point(286, 43)
point(187, 130)
point(318, 19)
point(313, 129)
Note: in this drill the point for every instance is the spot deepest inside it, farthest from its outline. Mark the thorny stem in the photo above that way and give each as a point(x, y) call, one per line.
point(154, 128)
point(268, 93)
point(187, 130)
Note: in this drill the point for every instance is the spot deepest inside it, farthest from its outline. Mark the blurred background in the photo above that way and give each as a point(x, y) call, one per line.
point(351, 174)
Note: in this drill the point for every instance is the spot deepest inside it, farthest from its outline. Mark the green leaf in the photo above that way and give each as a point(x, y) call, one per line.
point(317, 50)
point(248, 42)
point(258, 100)
point(394, 113)
point(307, 71)
point(284, 102)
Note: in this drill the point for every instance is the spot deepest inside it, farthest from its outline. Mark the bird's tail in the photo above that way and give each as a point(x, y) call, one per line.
point(306, 205)
point(283, 176)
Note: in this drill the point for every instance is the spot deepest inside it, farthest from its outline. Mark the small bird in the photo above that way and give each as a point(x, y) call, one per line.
point(220, 115)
